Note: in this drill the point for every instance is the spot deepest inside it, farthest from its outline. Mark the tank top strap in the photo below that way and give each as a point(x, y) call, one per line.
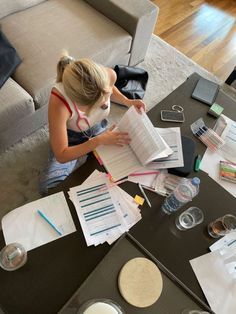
point(63, 100)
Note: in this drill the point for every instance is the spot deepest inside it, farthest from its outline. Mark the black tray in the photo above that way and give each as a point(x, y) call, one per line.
point(102, 284)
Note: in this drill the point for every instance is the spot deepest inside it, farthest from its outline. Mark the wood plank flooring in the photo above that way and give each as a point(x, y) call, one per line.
point(205, 31)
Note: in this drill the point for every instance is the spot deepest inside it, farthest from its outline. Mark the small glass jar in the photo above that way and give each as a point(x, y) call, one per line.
point(104, 306)
point(13, 256)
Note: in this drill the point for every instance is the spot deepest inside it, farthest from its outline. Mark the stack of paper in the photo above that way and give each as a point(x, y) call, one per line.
point(105, 211)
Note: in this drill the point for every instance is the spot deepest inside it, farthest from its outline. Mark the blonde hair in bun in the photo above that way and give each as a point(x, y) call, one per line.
point(85, 82)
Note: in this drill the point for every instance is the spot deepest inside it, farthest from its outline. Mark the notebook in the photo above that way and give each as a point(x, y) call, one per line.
point(188, 146)
point(146, 145)
point(205, 91)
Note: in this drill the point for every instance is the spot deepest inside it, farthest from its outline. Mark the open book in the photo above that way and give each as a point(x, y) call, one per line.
point(146, 145)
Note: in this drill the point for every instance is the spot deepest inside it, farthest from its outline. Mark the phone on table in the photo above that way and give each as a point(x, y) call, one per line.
point(172, 116)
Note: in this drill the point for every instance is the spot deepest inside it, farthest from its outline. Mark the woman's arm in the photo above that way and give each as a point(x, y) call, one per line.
point(58, 115)
point(119, 98)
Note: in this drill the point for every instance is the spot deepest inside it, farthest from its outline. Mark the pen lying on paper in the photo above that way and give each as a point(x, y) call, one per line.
point(144, 195)
point(49, 222)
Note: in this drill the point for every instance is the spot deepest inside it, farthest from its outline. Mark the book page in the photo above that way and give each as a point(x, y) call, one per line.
point(172, 137)
point(119, 161)
point(145, 140)
point(146, 145)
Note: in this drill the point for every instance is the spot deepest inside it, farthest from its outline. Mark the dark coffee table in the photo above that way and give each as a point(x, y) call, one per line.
point(54, 271)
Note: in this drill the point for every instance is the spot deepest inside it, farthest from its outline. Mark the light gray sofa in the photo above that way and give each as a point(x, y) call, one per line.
point(109, 31)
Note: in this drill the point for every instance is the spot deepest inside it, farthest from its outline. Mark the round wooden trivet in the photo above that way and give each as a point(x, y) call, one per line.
point(140, 282)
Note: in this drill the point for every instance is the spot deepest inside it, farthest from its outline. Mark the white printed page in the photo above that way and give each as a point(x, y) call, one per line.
point(228, 150)
point(145, 140)
point(172, 136)
point(97, 211)
point(118, 161)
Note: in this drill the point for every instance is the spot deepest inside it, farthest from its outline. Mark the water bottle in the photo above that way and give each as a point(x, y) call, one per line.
point(186, 190)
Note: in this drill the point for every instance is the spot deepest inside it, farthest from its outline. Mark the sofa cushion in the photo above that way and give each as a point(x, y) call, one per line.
point(41, 33)
point(9, 59)
point(8, 7)
point(15, 104)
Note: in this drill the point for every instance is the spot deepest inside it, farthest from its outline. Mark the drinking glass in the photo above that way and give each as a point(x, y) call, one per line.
point(221, 226)
point(190, 218)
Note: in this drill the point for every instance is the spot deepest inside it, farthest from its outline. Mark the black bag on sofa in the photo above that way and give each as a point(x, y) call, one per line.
point(131, 81)
point(9, 59)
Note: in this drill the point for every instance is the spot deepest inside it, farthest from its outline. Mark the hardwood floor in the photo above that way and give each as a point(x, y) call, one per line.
point(205, 31)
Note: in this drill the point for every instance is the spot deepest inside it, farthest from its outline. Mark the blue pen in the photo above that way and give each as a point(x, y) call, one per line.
point(49, 222)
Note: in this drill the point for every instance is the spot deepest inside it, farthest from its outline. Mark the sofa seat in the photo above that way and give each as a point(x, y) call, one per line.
point(15, 102)
point(40, 33)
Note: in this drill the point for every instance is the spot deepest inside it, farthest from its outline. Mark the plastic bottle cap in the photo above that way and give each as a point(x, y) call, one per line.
point(195, 181)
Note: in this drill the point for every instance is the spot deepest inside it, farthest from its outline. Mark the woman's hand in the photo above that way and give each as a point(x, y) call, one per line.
point(138, 104)
point(111, 137)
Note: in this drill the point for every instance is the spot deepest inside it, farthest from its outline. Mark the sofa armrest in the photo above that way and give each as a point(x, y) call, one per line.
point(138, 18)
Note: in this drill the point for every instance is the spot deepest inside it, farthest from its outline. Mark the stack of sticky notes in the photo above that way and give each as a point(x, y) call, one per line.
point(215, 110)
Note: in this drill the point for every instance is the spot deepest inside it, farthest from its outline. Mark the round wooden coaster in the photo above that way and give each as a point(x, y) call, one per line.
point(140, 282)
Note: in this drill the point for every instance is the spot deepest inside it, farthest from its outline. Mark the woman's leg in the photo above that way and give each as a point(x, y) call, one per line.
point(56, 172)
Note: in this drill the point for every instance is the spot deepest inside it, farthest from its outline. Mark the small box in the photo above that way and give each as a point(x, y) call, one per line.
point(215, 110)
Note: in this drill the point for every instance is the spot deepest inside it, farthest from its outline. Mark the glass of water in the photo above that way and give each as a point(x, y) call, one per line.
point(190, 218)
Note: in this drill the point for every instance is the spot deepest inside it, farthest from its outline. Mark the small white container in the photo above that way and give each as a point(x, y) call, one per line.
point(13, 256)
point(100, 306)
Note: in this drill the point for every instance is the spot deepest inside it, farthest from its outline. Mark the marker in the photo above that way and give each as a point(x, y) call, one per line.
point(143, 173)
point(49, 222)
point(197, 163)
point(112, 184)
point(144, 195)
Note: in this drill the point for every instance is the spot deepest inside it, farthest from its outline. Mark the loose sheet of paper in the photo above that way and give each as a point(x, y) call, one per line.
point(24, 225)
point(216, 282)
point(226, 128)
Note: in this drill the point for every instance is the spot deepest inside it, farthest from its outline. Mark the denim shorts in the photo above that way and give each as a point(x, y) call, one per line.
point(55, 172)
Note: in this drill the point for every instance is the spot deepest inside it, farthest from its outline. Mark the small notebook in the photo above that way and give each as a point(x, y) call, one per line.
point(205, 91)
point(188, 146)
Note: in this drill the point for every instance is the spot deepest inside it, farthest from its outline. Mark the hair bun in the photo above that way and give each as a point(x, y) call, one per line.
point(65, 58)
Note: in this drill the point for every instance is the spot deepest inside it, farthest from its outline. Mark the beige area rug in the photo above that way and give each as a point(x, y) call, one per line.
point(20, 166)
